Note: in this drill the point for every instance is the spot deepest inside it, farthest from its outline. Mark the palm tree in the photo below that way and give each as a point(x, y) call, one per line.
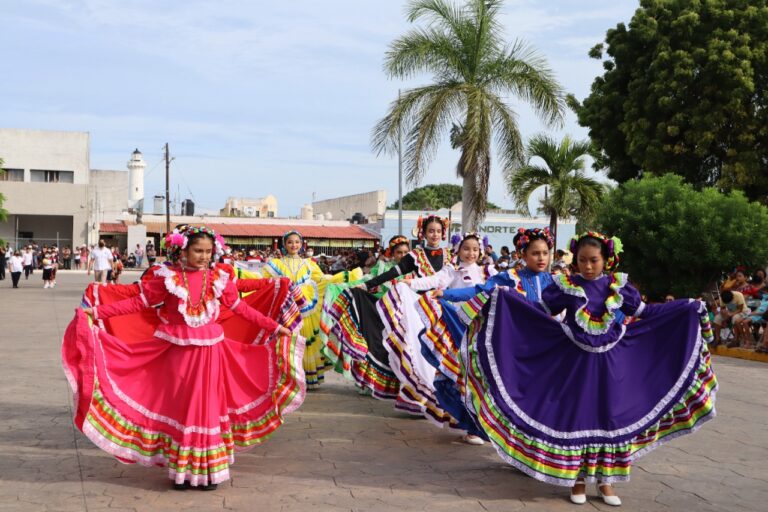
point(473, 71)
point(568, 192)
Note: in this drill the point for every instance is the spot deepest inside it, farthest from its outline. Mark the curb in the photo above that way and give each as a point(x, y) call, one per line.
point(739, 353)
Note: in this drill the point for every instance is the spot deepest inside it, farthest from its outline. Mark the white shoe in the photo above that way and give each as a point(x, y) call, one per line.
point(473, 440)
point(45, 285)
point(613, 501)
point(579, 499)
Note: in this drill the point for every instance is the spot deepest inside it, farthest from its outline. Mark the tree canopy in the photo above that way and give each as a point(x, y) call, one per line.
point(433, 197)
point(568, 191)
point(474, 72)
point(685, 90)
point(679, 240)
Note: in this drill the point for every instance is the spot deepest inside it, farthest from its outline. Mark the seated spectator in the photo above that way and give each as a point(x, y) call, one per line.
point(737, 282)
point(756, 286)
point(755, 320)
point(733, 310)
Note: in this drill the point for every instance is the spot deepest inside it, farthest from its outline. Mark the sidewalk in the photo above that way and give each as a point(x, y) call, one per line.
point(340, 451)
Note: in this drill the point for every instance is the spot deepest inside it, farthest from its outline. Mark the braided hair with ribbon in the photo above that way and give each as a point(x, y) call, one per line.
point(609, 247)
point(525, 237)
point(423, 223)
point(393, 243)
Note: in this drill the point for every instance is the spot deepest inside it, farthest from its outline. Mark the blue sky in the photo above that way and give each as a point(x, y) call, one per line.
point(253, 97)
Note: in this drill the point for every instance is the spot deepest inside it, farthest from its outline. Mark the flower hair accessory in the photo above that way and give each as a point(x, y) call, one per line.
point(458, 239)
point(178, 240)
point(394, 242)
point(524, 237)
point(423, 222)
point(612, 245)
point(292, 232)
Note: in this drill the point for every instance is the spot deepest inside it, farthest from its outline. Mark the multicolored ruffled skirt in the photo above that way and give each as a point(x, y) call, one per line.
point(559, 411)
point(152, 402)
point(403, 325)
point(351, 330)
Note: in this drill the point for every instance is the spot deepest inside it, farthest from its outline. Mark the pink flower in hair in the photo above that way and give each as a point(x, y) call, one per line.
point(177, 239)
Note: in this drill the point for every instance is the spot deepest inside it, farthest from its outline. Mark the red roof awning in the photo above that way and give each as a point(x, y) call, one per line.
point(351, 232)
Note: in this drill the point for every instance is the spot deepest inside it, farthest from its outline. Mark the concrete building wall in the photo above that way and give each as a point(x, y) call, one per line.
point(108, 191)
point(42, 207)
point(46, 200)
point(46, 150)
point(371, 204)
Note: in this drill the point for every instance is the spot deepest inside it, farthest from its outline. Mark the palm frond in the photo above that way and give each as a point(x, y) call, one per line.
point(509, 142)
point(430, 123)
point(424, 50)
point(437, 12)
point(524, 181)
point(402, 112)
point(522, 71)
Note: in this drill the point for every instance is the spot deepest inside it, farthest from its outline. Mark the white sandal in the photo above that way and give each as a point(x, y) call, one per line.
point(613, 501)
point(579, 499)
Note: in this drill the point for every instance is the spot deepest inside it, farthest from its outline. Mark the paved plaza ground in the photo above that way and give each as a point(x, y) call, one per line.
point(340, 451)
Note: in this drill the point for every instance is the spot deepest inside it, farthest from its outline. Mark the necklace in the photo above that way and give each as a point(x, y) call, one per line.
point(294, 264)
point(195, 308)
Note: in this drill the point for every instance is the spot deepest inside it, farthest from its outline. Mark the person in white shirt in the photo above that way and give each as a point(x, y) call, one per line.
point(16, 266)
point(100, 261)
point(28, 258)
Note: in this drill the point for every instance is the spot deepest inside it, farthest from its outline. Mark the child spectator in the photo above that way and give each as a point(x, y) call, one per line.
point(755, 319)
point(733, 311)
point(47, 271)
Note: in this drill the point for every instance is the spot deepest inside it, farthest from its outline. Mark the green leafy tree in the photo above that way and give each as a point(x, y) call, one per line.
point(473, 71)
point(568, 191)
point(685, 90)
point(433, 197)
point(677, 239)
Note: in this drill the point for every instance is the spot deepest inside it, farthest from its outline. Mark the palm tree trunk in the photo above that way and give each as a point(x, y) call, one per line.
point(467, 196)
point(553, 227)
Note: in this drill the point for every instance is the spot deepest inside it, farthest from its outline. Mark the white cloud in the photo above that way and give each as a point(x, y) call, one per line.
point(279, 95)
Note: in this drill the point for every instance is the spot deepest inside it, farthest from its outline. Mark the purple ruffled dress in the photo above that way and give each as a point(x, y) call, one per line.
point(587, 396)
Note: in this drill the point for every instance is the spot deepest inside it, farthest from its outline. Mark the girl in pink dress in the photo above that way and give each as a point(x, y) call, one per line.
point(187, 396)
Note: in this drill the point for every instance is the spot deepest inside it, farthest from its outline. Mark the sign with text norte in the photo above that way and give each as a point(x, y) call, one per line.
point(500, 228)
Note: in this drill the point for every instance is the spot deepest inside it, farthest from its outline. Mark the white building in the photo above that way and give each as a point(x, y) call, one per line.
point(51, 193)
point(260, 208)
point(371, 204)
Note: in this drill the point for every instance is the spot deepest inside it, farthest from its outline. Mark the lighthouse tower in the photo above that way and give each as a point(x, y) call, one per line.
point(136, 166)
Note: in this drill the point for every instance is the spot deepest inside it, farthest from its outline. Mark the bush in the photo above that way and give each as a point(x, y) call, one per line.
point(678, 240)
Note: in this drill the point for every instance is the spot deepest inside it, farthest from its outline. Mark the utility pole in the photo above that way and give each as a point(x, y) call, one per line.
point(167, 191)
point(399, 174)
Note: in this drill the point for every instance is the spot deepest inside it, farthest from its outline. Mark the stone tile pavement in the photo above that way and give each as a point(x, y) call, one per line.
point(340, 451)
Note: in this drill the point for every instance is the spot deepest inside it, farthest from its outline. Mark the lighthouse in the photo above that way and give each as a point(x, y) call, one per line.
point(136, 166)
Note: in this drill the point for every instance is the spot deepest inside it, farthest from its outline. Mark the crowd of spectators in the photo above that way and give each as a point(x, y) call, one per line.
point(740, 311)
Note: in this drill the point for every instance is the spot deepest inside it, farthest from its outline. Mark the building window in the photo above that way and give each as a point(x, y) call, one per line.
point(39, 176)
point(12, 175)
point(270, 214)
